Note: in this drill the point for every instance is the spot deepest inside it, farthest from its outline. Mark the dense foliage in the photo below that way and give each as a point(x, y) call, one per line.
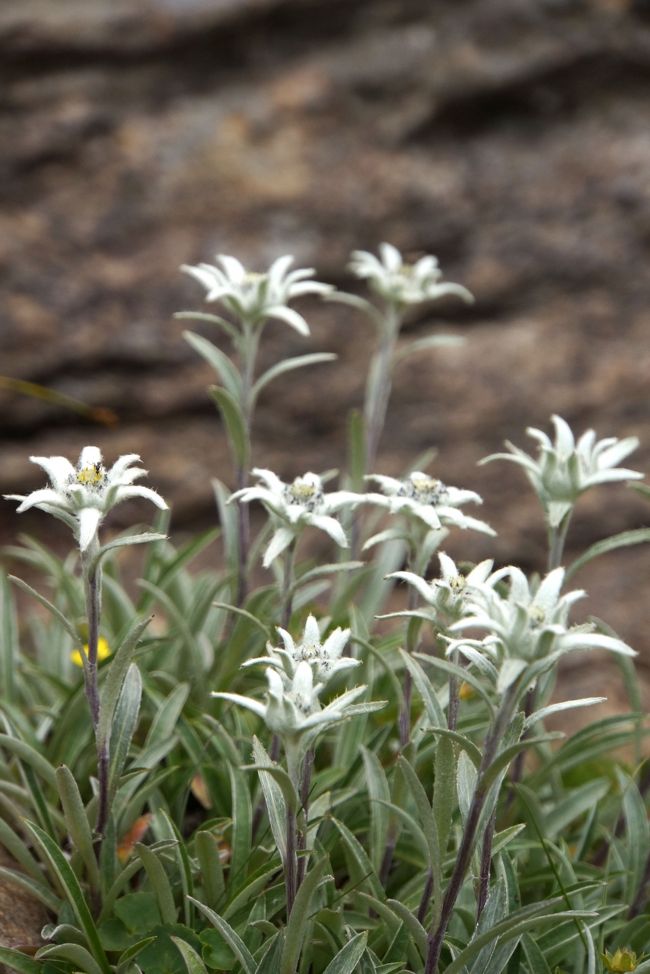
point(200, 774)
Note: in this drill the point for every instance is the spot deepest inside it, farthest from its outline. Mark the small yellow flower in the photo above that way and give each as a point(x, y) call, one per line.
point(621, 961)
point(103, 652)
point(466, 692)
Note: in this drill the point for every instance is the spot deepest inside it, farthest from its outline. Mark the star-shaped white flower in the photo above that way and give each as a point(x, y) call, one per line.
point(81, 496)
point(428, 500)
point(324, 658)
point(565, 468)
point(530, 623)
point(292, 709)
point(255, 297)
point(295, 506)
point(394, 279)
point(447, 597)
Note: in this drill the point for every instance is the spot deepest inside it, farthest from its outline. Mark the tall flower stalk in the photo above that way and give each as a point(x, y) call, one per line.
point(564, 469)
point(399, 286)
point(297, 674)
point(250, 300)
point(81, 497)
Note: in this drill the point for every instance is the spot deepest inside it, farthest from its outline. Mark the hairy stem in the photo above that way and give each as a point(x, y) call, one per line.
point(305, 787)
point(486, 860)
point(556, 540)
point(93, 593)
point(248, 355)
point(290, 866)
point(379, 384)
point(436, 937)
point(454, 700)
point(287, 584)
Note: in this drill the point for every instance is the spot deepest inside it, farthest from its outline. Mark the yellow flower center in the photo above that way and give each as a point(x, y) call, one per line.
point(424, 489)
point(91, 476)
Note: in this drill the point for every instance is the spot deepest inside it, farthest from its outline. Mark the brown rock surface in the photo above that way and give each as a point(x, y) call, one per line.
point(510, 138)
point(21, 916)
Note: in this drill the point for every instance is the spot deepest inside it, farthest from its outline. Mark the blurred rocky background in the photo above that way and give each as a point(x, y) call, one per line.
point(511, 138)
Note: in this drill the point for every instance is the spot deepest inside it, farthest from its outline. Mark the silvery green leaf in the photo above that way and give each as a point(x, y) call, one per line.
point(345, 962)
point(509, 671)
point(220, 362)
point(77, 822)
point(466, 776)
point(555, 708)
point(234, 423)
point(226, 326)
point(424, 344)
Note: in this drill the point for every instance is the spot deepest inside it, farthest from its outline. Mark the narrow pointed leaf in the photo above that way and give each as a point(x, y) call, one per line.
point(234, 423)
point(77, 822)
point(298, 923)
point(219, 361)
point(119, 666)
point(207, 853)
point(232, 938)
point(191, 959)
point(72, 890)
point(348, 956)
point(276, 804)
point(159, 882)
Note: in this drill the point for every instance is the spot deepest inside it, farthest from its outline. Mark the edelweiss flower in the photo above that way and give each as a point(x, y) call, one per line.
point(566, 468)
point(255, 297)
point(82, 496)
point(428, 500)
point(530, 624)
point(296, 505)
point(325, 659)
point(446, 597)
point(293, 709)
point(400, 282)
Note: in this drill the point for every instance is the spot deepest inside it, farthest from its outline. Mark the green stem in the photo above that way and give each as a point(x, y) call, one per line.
point(287, 584)
point(93, 592)
point(295, 764)
point(556, 540)
point(248, 355)
point(379, 384)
